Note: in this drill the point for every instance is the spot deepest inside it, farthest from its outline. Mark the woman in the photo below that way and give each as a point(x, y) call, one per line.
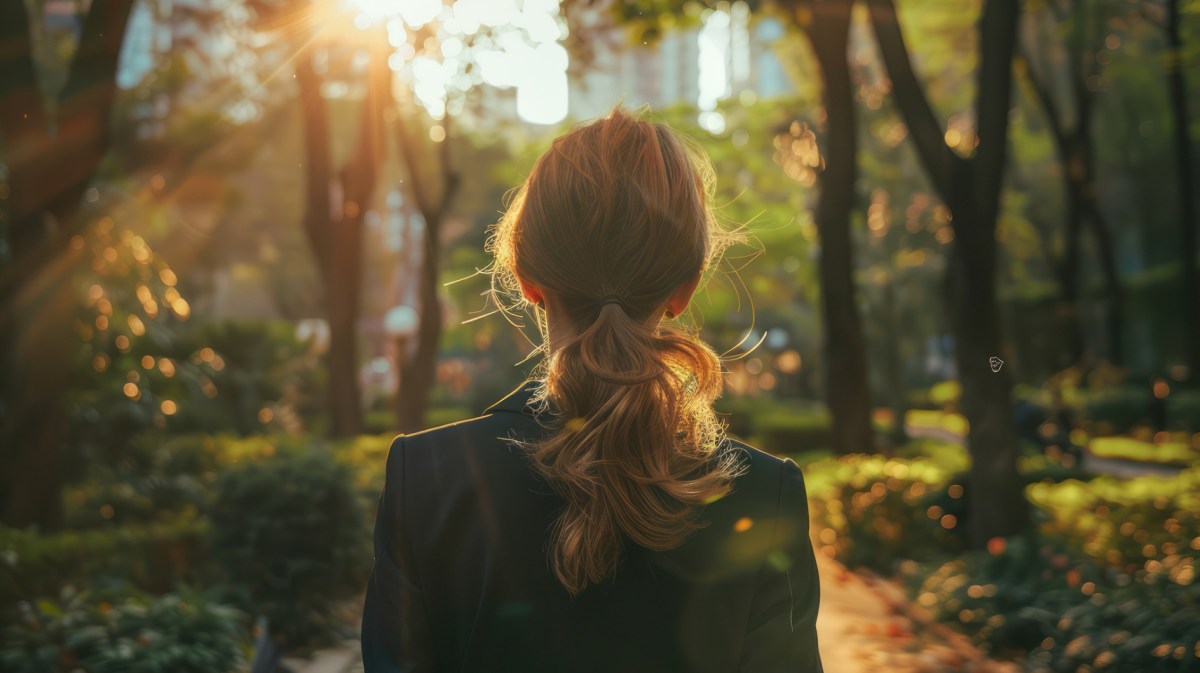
point(596, 518)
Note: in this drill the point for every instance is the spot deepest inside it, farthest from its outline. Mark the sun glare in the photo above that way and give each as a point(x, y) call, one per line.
point(512, 45)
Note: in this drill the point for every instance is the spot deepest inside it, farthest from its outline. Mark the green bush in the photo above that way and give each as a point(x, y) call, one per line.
point(1183, 410)
point(180, 633)
point(1124, 522)
point(366, 457)
point(259, 363)
point(1129, 448)
point(138, 501)
point(163, 475)
point(873, 511)
point(1033, 595)
point(1117, 410)
point(293, 540)
point(153, 557)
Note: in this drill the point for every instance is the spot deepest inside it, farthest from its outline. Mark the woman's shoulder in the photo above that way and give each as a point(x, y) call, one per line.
point(741, 529)
point(763, 472)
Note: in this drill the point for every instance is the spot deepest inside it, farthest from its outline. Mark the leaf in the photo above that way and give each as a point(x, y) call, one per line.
point(49, 608)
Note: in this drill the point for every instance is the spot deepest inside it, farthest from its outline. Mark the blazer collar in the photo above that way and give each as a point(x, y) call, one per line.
point(517, 401)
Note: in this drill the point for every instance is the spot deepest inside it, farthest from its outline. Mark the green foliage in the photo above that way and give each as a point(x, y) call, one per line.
point(182, 632)
point(129, 313)
point(153, 557)
point(1124, 523)
point(781, 427)
point(946, 394)
point(293, 540)
point(136, 501)
point(1129, 448)
point(873, 510)
point(159, 476)
point(1183, 411)
point(217, 378)
point(1118, 409)
point(1034, 595)
point(1107, 581)
point(258, 364)
point(366, 457)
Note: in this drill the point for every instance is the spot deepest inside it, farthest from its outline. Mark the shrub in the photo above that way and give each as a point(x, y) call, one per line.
point(163, 475)
point(257, 364)
point(152, 557)
point(1118, 410)
point(873, 511)
point(181, 633)
point(1070, 613)
point(293, 541)
point(787, 431)
point(1183, 410)
point(1129, 448)
point(1124, 523)
point(366, 456)
point(137, 501)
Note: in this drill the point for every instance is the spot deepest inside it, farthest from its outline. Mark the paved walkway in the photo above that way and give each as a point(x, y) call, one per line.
point(865, 625)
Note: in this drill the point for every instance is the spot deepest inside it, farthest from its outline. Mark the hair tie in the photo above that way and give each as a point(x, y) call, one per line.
point(610, 299)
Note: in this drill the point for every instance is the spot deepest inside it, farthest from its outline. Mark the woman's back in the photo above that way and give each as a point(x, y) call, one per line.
point(462, 580)
point(597, 519)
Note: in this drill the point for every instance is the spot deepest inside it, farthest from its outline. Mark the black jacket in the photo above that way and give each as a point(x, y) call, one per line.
point(461, 580)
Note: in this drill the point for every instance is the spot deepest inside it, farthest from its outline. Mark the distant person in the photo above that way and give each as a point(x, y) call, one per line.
point(597, 519)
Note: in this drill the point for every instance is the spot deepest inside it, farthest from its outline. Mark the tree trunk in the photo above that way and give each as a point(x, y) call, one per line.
point(344, 294)
point(896, 388)
point(845, 347)
point(333, 220)
point(971, 191)
point(1113, 291)
point(418, 374)
point(1177, 88)
point(995, 499)
point(50, 164)
point(1068, 272)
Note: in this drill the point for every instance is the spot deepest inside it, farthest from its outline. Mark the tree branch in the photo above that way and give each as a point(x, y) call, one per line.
point(1046, 101)
point(940, 162)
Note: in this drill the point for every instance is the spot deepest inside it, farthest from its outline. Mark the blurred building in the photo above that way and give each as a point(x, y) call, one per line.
point(725, 56)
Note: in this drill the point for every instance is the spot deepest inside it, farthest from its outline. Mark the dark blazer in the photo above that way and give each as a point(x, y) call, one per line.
point(461, 580)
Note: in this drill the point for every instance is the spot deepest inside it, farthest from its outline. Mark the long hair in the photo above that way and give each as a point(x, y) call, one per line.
point(610, 222)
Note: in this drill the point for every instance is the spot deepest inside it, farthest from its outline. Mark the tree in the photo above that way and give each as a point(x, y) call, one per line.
point(335, 204)
point(418, 373)
point(336, 198)
point(970, 188)
point(1188, 250)
point(827, 27)
point(53, 152)
point(1076, 153)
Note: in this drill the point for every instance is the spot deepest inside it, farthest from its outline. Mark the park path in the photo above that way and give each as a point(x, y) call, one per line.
point(865, 625)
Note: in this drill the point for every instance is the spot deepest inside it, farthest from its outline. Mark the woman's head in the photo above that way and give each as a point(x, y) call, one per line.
point(609, 234)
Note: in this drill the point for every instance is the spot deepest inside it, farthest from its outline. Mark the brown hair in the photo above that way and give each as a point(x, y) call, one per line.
point(612, 219)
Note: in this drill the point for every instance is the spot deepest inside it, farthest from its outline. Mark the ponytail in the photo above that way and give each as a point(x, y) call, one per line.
point(634, 448)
